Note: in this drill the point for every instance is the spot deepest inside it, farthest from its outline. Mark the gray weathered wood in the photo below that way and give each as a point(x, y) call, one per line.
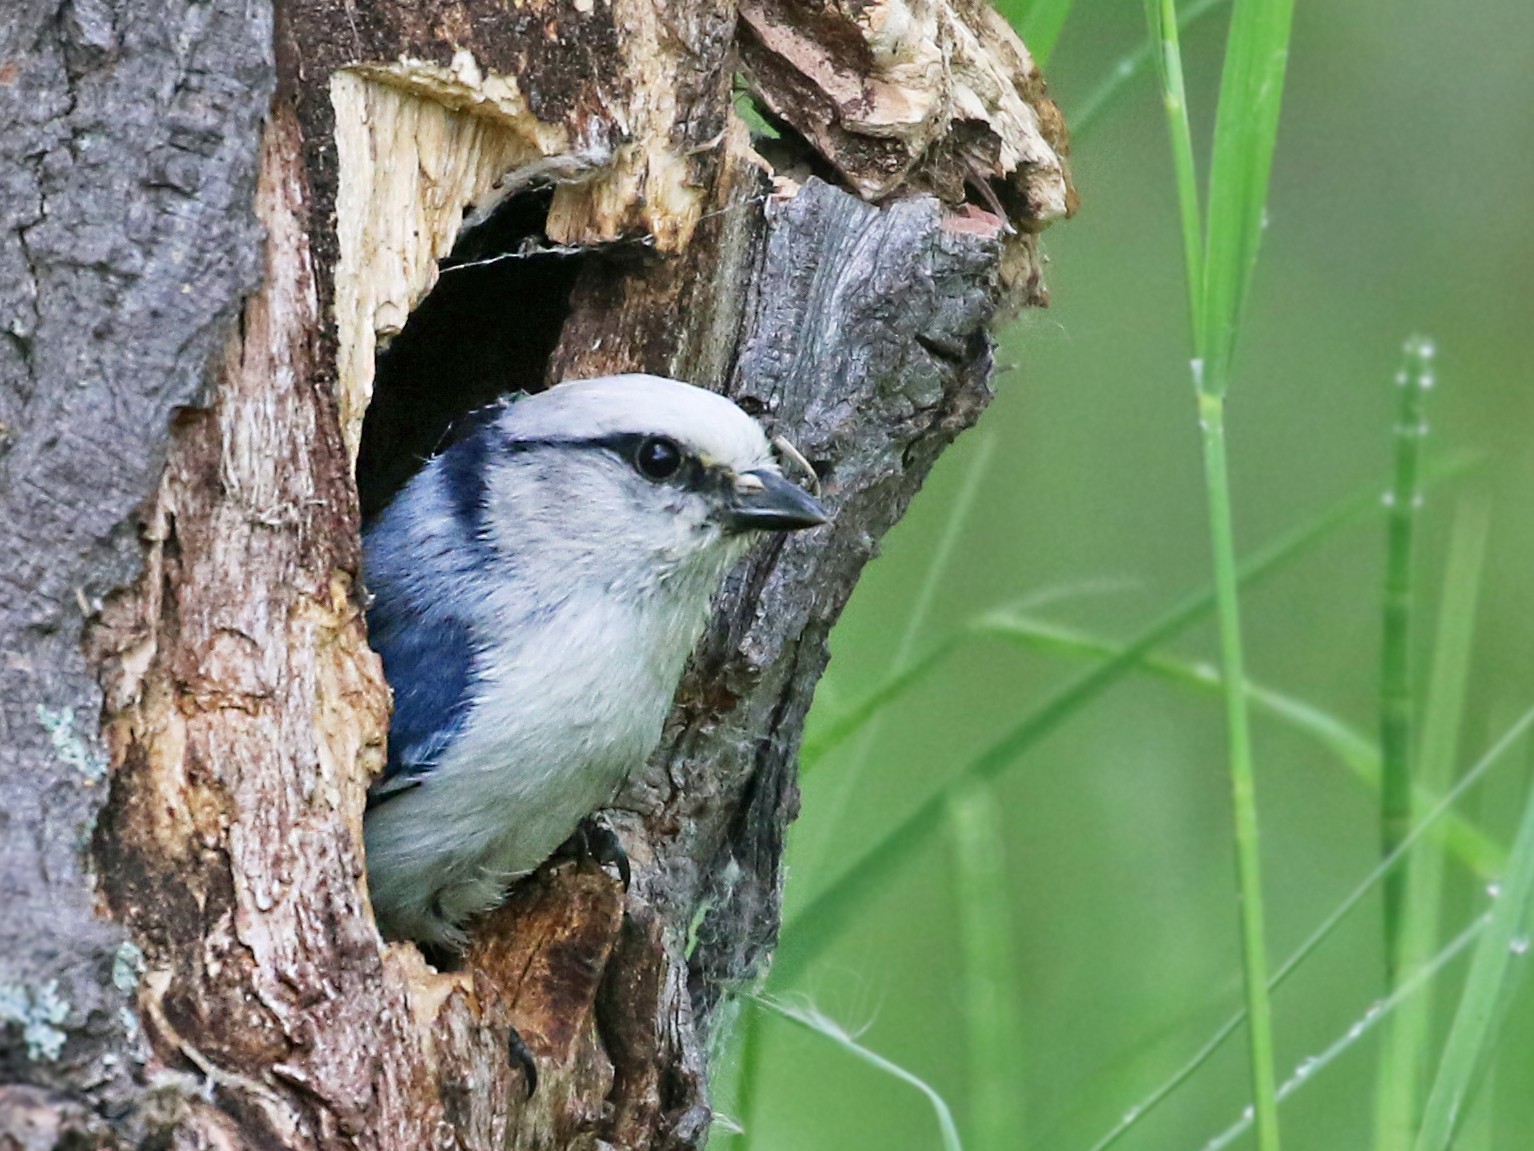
point(127, 239)
point(861, 318)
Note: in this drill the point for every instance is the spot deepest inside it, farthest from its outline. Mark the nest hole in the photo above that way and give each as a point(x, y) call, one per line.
point(488, 328)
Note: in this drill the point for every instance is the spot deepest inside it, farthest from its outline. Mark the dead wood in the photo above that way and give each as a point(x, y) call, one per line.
point(255, 263)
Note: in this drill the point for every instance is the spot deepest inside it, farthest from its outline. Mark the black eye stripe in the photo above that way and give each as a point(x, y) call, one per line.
point(691, 473)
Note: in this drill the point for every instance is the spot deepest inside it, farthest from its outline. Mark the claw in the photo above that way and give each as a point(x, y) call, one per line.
point(604, 847)
point(600, 844)
point(521, 1059)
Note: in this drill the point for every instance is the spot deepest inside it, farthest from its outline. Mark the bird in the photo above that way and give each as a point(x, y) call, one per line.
point(535, 592)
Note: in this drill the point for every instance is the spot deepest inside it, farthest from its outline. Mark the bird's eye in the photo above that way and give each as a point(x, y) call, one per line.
point(658, 458)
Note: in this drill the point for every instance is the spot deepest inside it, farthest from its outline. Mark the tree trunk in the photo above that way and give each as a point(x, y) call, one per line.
point(217, 219)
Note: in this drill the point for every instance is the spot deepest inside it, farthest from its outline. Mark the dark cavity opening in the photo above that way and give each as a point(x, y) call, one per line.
point(488, 328)
point(791, 154)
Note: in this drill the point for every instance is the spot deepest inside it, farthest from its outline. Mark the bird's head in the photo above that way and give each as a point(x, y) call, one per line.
point(634, 480)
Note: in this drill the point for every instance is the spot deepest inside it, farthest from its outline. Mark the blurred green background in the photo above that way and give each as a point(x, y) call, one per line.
point(1402, 201)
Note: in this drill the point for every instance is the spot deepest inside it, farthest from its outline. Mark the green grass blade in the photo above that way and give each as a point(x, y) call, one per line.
point(1402, 1068)
point(748, 1082)
point(1478, 1132)
point(1040, 27)
point(859, 715)
point(861, 718)
point(1245, 135)
point(809, 932)
point(1243, 774)
point(828, 1028)
point(992, 1015)
point(1413, 379)
point(1466, 842)
point(1499, 959)
point(1084, 118)
point(953, 529)
point(1344, 741)
point(1218, 273)
point(1161, 19)
point(1493, 755)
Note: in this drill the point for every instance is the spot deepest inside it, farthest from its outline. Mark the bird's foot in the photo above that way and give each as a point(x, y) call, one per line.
point(521, 1059)
point(597, 842)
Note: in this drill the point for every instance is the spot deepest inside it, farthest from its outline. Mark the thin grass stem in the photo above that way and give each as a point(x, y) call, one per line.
point(1086, 116)
point(822, 1025)
point(1396, 722)
point(992, 1011)
point(1402, 1067)
point(1219, 272)
point(1243, 777)
point(1161, 17)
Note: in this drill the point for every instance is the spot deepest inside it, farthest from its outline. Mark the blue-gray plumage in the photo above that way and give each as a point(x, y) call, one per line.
point(537, 589)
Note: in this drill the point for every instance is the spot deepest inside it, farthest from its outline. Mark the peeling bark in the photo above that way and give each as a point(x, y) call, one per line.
point(248, 255)
point(924, 94)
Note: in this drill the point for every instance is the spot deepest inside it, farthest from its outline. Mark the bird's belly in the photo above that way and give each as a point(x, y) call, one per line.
point(511, 788)
point(521, 809)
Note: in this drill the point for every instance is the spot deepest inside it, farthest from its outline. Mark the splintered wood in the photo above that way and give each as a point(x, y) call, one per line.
point(911, 95)
point(416, 144)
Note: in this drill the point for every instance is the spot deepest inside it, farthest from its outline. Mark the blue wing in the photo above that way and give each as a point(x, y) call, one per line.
point(428, 652)
point(429, 666)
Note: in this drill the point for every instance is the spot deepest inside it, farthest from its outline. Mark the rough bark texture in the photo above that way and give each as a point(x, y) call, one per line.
point(218, 220)
point(129, 240)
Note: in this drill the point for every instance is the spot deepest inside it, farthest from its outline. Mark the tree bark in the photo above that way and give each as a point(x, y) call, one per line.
point(255, 263)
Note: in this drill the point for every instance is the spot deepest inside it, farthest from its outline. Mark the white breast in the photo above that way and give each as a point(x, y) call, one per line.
point(560, 721)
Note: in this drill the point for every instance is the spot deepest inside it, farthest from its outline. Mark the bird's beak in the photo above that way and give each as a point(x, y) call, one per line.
point(763, 501)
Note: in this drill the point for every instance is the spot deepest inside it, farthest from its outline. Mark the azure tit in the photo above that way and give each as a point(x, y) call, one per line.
point(537, 589)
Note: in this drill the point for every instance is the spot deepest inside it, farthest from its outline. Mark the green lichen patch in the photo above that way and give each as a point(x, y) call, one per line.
point(70, 746)
point(38, 1013)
